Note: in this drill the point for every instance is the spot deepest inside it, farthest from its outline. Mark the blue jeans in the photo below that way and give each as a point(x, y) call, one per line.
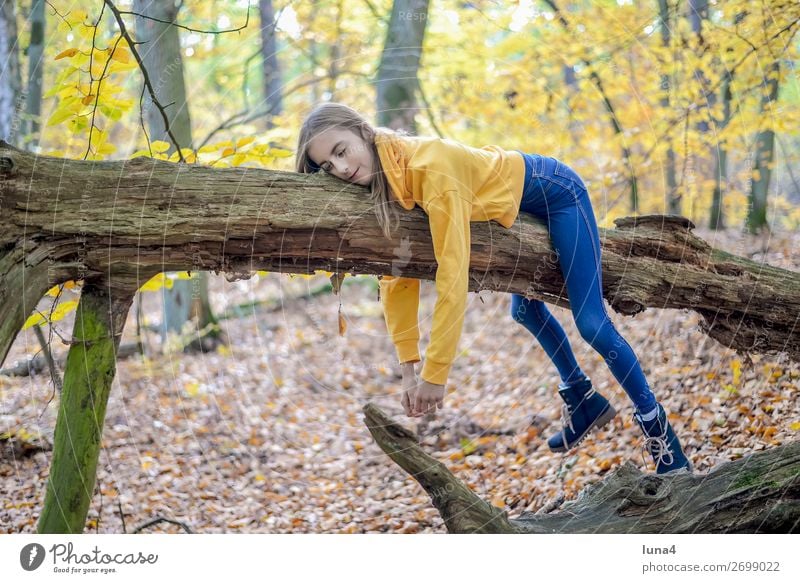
point(554, 193)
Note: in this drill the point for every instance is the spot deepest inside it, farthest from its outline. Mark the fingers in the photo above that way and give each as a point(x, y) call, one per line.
point(406, 404)
point(423, 405)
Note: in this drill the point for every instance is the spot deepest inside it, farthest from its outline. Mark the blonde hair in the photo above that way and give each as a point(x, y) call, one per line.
point(331, 115)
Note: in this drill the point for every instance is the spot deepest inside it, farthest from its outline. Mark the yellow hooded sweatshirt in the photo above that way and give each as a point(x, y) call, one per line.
point(454, 184)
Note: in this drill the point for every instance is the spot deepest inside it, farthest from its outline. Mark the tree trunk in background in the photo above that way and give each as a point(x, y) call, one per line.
point(717, 218)
point(162, 59)
point(673, 197)
point(764, 154)
point(273, 97)
point(10, 79)
point(698, 13)
point(717, 214)
point(396, 82)
point(33, 106)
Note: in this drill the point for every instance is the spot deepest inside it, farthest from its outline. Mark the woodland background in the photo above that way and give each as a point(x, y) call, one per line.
point(678, 107)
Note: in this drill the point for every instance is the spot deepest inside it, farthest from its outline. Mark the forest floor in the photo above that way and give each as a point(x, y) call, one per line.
point(266, 434)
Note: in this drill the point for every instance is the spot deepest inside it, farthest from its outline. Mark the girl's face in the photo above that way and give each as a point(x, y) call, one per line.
point(344, 154)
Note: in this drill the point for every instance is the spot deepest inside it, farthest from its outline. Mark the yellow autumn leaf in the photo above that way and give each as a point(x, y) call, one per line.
point(342, 323)
point(244, 141)
point(156, 283)
point(795, 426)
point(121, 54)
point(280, 152)
point(159, 146)
point(192, 388)
point(60, 115)
point(238, 159)
point(53, 291)
point(63, 309)
point(34, 320)
point(107, 149)
point(736, 367)
point(66, 54)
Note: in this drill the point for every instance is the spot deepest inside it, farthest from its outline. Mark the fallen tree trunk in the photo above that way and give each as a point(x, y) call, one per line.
point(116, 224)
point(759, 493)
point(125, 221)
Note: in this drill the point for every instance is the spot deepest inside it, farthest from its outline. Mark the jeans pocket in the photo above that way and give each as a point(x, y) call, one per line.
point(568, 174)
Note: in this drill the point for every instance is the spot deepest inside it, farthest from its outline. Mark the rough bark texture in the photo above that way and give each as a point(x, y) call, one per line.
point(125, 221)
point(758, 493)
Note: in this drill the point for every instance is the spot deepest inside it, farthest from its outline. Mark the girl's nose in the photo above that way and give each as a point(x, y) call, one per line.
point(341, 168)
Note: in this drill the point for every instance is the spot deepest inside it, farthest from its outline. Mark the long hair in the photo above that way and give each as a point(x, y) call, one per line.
point(326, 116)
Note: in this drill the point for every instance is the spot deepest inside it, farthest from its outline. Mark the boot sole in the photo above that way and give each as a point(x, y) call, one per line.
point(607, 416)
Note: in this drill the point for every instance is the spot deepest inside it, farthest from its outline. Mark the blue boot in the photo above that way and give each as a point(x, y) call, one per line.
point(583, 409)
point(662, 443)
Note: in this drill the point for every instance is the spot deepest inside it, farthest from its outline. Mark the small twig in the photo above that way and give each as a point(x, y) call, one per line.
point(48, 356)
point(175, 24)
point(122, 516)
point(162, 519)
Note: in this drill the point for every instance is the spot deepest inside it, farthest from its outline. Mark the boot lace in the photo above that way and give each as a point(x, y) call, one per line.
point(566, 416)
point(658, 448)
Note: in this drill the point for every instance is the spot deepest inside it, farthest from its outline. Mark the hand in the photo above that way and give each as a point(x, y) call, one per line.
point(419, 397)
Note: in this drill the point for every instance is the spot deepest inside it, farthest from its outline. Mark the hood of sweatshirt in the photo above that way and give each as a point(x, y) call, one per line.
point(394, 162)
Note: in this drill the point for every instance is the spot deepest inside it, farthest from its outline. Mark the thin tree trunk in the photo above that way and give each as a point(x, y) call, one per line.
point(90, 370)
point(273, 86)
point(720, 156)
point(33, 106)
point(673, 197)
point(10, 79)
point(764, 155)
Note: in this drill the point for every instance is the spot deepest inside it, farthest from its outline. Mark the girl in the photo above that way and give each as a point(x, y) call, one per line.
point(455, 184)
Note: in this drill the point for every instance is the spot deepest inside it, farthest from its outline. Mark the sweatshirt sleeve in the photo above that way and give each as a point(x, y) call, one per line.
point(448, 214)
point(400, 300)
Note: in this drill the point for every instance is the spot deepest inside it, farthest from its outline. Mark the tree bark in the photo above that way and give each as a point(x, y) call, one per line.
point(91, 366)
point(10, 78)
point(161, 54)
point(764, 154)
point(273, 92)
point(759, 493)
point(33, 105)
point(129, 220)
point(397, 81)
point(673, 197)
